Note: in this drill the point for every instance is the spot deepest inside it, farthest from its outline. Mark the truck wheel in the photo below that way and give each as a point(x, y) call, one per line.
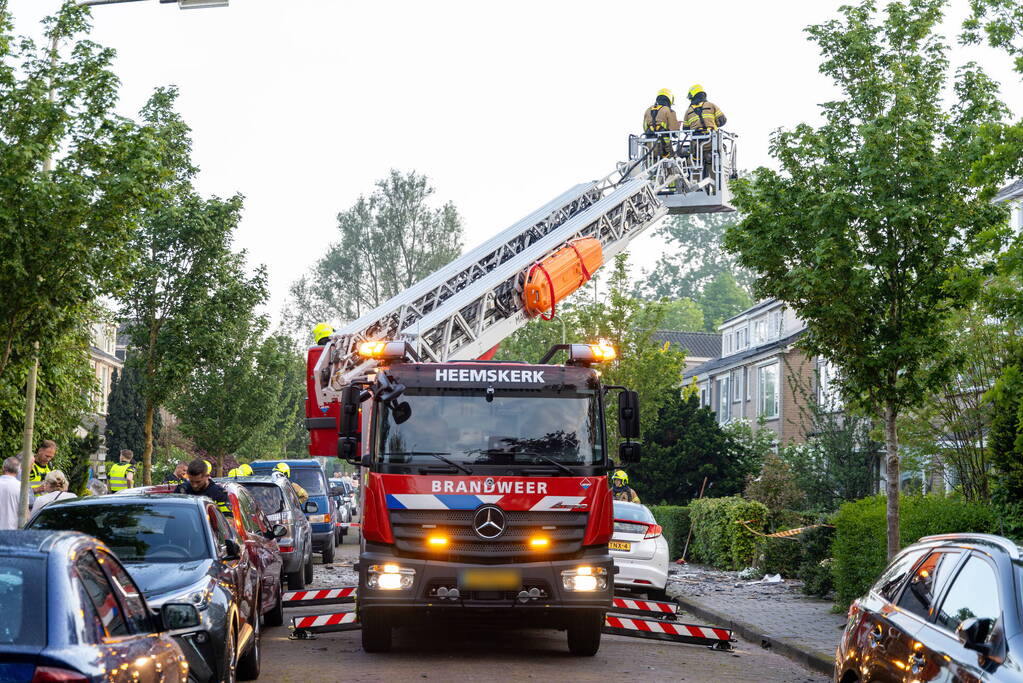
point(308, 568)
point(584, 634)
point(376, 632)
point(328, 551)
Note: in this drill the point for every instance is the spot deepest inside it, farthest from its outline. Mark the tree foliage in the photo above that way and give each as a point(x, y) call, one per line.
point(126, 415)
point(721, 299)
point(872, 217)
point(387, 242)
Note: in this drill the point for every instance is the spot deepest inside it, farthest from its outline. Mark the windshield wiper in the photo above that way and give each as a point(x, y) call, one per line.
point(545, 458)
point(437, 454)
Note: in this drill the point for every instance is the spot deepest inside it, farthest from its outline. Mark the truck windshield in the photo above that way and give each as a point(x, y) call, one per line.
point(511, 429)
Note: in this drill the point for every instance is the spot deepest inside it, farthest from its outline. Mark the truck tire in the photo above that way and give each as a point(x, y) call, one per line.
point(584, 634)
point(328, 550)
point(376, 632)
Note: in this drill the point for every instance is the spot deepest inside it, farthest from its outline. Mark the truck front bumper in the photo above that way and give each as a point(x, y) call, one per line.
point(553, 607)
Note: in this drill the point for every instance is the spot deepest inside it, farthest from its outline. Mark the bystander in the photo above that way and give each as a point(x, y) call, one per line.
point(10, 493)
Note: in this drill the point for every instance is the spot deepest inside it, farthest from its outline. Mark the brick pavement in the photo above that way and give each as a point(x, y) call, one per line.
point(777, 616)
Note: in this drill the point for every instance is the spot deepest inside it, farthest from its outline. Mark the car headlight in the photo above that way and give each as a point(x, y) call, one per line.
point(390, 577)
point(319, 518)
point(584, 579)
point(198, 594)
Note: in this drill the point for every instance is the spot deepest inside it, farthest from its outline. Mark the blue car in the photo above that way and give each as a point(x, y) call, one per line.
point(323, 512)
point(70, 612)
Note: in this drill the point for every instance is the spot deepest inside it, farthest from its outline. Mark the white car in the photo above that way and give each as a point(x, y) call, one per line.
point(639, 549)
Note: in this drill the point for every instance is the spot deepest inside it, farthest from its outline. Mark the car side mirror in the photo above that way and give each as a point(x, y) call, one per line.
point(629, 453)
point(178, 615)
point(310, 507)
point(973, 633)
point(232, 551)
point(278, 531)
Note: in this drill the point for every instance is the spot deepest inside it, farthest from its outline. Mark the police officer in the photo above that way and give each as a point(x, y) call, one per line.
point(198, 483)
point(122, 475)
point(42, 464)
point(282, 469)
point(179, 474)
point(659, 118)
point(620, 487)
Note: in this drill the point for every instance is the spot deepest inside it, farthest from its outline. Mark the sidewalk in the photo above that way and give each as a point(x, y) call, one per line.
point(778, 615)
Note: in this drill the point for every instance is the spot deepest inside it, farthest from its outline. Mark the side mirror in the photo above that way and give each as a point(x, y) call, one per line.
point(348, 448)
point(310, 507)
point(401, 412)
point(232, 551)
point(629, 453)
point(973, 633)
point(628, 414)
point(278, 531)
point(178, 615)
point(349, 420)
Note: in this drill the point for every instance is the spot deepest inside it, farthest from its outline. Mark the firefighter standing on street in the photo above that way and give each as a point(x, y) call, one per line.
point(199, 484)
point(620, 487)
point(659, 118)
point(122, 475)
point(284, 470)
point(702, 117)
point(42, 464)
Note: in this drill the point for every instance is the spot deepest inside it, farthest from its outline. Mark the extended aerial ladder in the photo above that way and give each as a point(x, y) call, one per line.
point(466, 308)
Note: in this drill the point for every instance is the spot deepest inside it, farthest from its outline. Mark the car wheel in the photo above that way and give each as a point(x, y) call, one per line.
point(584, 634)
point(275, 617)
point(308, 568)
point(657, 595)
point(376, 632)
point(230, 656)
point(248, 664)
point(297, 580)
point(328, 553)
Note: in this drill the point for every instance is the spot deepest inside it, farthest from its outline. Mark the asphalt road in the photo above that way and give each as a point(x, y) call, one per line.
point(497, 655)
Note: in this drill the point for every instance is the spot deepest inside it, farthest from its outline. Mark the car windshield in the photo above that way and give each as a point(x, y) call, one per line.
point(469, 428)
point(633, 513)
point(22, 609)
point(268, 496)
point(309, 478)
point(136, 532)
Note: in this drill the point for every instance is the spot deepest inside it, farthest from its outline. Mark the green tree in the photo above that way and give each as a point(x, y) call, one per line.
point(682, 315)
point(872, 216)
point(75, 464)
point(683, 445)
point(1006, 437)
point(76, 178)
point(693, 258)
point(721, 299)
point(387, 242)
point(188, 286)
point(126, 415)
point(248, 404)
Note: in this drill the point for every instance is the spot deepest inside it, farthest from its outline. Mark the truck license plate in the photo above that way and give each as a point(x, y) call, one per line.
point(620, 545)
point(490, 579)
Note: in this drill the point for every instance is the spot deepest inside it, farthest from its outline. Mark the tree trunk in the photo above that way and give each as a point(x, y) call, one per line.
point(147, 454)
point(892, 477)
point(26, 443)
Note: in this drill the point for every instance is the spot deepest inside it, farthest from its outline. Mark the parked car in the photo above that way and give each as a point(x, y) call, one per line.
point(946, 609)
point(321, 515)
point(180, 548)
point(72, 613)
point(341, 491)
point(639, 550)
point(278, 500)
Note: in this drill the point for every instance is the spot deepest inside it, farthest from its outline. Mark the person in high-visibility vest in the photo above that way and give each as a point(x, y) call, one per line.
point(42, 464)
point(122, 475)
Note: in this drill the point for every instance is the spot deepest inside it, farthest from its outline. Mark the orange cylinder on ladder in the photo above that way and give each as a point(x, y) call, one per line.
point(566, 270)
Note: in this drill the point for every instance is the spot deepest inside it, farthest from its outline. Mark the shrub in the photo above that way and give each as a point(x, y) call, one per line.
point(774, 486)
point(859, 547)
point(780, 556)
point(718, 539)
point(674, 521)
point(815, 570)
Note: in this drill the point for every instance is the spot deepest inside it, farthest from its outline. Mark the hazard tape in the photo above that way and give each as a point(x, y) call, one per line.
point(325, 623)
point(327, 596)
point(644, 607)
point(667, 630)
point(788, 533)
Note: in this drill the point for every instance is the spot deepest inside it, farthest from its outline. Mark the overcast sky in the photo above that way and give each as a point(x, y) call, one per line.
point(300, 105)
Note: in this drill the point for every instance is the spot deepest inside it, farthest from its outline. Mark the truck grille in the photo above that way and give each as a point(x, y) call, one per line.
point(566, 531)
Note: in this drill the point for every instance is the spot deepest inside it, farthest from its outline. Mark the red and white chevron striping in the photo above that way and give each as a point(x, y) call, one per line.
point(331, 593)
point(324, 620)
point(662, 607)
point(671, 628)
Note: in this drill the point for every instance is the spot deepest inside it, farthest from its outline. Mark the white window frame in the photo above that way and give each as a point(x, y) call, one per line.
point(761, 370)
point(737, 385)
point(723, 399)
point(747, 382)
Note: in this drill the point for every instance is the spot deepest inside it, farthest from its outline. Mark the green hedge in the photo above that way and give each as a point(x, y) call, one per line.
point(674, 521)
point(860, 534)
point(718, 539)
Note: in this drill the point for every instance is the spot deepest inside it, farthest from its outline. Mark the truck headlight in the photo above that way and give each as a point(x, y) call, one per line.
point(390, 577)
point(584, 578)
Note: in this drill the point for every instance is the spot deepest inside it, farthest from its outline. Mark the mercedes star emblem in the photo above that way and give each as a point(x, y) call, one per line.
point(489, 522)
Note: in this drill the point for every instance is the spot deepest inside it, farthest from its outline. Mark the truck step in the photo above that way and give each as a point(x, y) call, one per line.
point(717, 638)
point(326, 596)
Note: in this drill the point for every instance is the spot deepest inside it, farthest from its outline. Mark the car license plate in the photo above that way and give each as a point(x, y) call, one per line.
point(490, 579)
point(620, 545)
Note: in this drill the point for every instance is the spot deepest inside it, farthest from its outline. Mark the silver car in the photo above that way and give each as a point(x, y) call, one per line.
point(280, 504)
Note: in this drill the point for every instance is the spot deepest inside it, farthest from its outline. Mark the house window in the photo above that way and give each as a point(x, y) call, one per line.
point(723, 403)
point(746, 383)
point(703, 397)
point(779, 323)
point(728, 344)
point(759, 331)
point(737, 384)
point(767, 406)
point(828, 397)
point(743, 337)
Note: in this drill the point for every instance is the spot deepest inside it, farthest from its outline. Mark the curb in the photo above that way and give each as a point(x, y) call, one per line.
point(811, 659)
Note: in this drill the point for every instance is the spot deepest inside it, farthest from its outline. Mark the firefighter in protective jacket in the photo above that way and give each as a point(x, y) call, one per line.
point(620, 487)
point(661, 117)
point(702, 117)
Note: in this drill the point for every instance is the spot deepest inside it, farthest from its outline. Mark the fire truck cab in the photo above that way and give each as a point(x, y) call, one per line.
point(486, 493)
